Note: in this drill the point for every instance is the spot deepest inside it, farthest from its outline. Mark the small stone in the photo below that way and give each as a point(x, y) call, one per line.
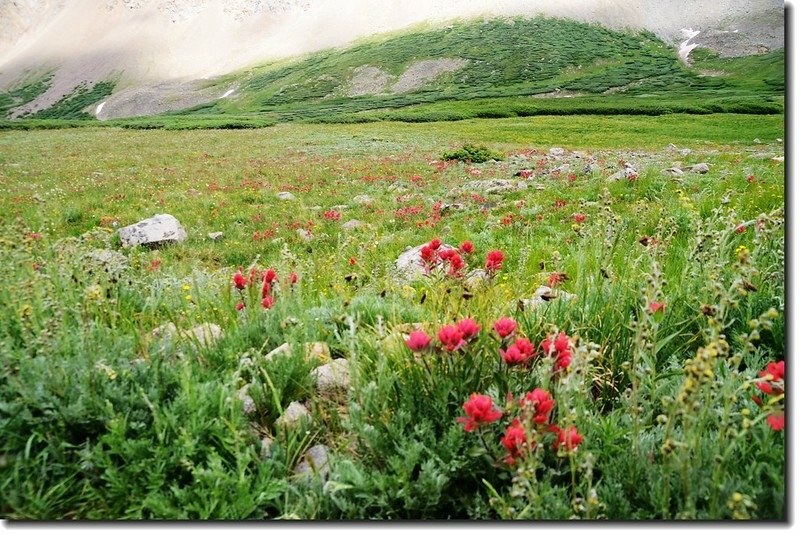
point(215, 236)
point(249, 405)
point(333, 379)
point(315, 461)
point(476, 277)
point(205, 334)
point(673, 171)
point(305, 235)
point(157, 230)
point(397, 187)
point(284, 350)
point(777, 159)
point(293, 416)
point(362, 199)
point(165, 331)
point(352, 224)
point(556, 152)
point(701, 168)
point(192, 193)
point(757, 141)
point(111, 261)
point(318, 351)
point(685, 152)
point(340, 207)
point(266, 447)
point(409, 264)
point(627, 173)
point(286, 196)
point(489, 187)
point(543, 295)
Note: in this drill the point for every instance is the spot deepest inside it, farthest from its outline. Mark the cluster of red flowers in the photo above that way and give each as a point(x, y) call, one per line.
point(560, 348)
point(530, 421)
point(451, 337)
point(267, 278)
point(266, 235)
point(332, 215)
point(772, 386)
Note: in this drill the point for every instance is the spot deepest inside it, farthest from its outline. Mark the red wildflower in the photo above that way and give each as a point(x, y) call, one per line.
point(740, 229)
point(541, 402)
point(352, 261)
point(239, 306)
point(514, 440)
point(267, 302)
point(154, 265)
point(427, 254)
point(417, 341)
point(435, 243)
point(239, 280)
point(751, 178)
point(776, 422)
point(451, 337)
point(505, 327)
point(266, 288)
point(333, 215)
point(513, 356)
point(467, 247)
point(447, 254)
point(269, 276)
point(560, 348)
point(525, 347)
point(657, 306)
point(480, 410)
point(556, 278)
point(494, 260)
point(456, 263)
point(293, 277)
point(579, 218)
point(469, 328)
point(773, 375)
point(569, 438)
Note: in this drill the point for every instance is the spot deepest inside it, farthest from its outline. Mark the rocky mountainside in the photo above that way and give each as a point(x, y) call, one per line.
point(164, 49)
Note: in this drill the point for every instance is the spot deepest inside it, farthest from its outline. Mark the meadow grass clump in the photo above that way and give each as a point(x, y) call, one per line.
point(573, 348)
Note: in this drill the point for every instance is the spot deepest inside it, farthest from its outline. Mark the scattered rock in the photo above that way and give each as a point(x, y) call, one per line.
point(628, 173)
point(293, 416)
point(315, 461)
point(192, 193)
point(409, 264)
point(305, 235)
point(215, 236)
point(104, 259)
point(340, 207)
point(333, 379)
point(673, 171)
point(398, 187)
point(497, 185)
point(282, 350)
point(685, 152)
point(543, 295)
point(156, 230)
point(249, 404)
point(266, 447)
point(556, 152)
point(286, 196)
point(757, 141)
point(476, 277)
point(701, 168)
point(352, 224)
point(447, 207)
point(205, 334)
point(777, 159)
point(362, 199)
point(318, 351)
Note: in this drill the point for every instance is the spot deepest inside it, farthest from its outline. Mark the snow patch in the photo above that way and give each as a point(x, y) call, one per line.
point(686, 47)
point(228, 93)
point(99, 108)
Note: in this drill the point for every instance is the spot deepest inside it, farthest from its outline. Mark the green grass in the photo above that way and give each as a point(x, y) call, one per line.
point(24, 92)
point(101, 419)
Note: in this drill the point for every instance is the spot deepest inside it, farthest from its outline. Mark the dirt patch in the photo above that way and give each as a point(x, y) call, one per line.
point(158, 98)
point(423, 72)
point(368, 80)
point(559, 94)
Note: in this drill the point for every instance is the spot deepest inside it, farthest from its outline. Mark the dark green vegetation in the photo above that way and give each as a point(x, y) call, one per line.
point(515, 68)
point(100, 418)
point(25, 92)
point(72, 105)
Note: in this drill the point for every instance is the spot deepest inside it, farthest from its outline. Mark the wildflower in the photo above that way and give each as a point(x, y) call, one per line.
point(293, 278)
point(751, 178)
point(435, 243)
point(467, 247)
point(656, 307)
point(560, 349)
point(776, 421)
point(417, 341)
point(480, 410)
point(352, 261)
point(155, 264)
point(513, 356)
point(569, 438)
point(451, 337)
point(541, 402)
point(525, 347)
point(773, 374)
point(469, 328)
point(239, 307)
point(494, 260)
point(556, 278)
point(740, 229)
point(505, 327)
point(514, 440)
point(267, 302)
point(333, 215)
point(579, 218)
point(270, 276)
point(239, 280)
point(428, 254)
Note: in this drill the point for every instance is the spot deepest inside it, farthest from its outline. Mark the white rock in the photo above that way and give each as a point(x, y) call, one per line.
point(497, 185)
point(305, 235)
point(362, 199)
point(247, 401)
point(158, 229)
point(286, 196)
point(409, 264)
point(543, 295)
point(266, 447)
point(673, 171)
point(627, 173)
point(294, 414)
point(556, 152)
point(284, 350)
point(352, 224)
point(476, 277)
point(214, 236)
point(205, 334)
point(315, 461)
point(332, 378)
point(701, 168)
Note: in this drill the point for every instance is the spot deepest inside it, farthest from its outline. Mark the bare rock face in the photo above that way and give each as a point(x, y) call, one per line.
point(156, 230)
point(333, 378)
